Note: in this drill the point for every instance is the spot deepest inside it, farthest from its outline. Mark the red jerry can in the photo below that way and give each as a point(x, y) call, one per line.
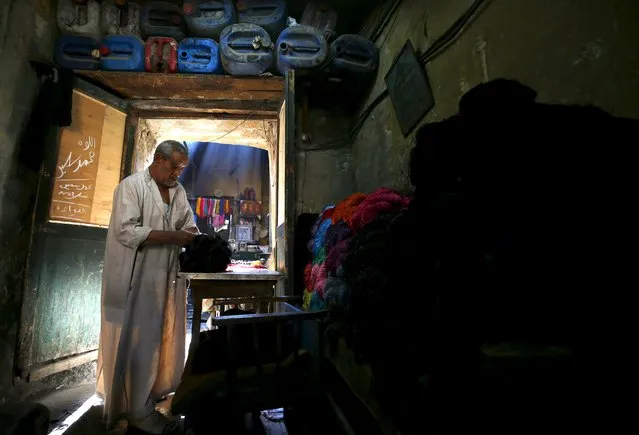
point(160, 55)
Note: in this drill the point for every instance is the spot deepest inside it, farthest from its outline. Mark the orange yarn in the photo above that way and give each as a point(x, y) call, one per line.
point(345, 209)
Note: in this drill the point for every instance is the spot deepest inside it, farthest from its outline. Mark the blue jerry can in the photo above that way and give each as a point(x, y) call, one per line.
point(207, 19)
point(353, 54)
point(268, 14)
point(77, 52)
point(199, 55)
point(245, 50)
point(122, 53)
point(302, 48)
point(162, 19)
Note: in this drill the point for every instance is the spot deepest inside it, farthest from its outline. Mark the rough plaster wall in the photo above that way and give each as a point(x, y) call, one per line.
point(325, 175)
point(259, 133)
point(326, 178)
point(145, 143)
point(570, 51)
point(27, 31)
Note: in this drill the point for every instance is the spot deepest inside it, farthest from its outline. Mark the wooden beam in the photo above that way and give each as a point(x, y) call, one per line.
point(237, 301)
point(290, 179)
point(268, 317)
point(42, 371)
point(150, 114)
point(196, 107)
point(126, 167)
point(136, 85)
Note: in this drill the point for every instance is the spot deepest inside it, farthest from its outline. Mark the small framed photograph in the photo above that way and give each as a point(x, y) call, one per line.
point(243, 233)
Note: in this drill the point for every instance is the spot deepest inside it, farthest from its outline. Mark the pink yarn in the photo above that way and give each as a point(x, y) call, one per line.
point(320, 284)
point(382, 200)
point(314, 276)
point(307, 276)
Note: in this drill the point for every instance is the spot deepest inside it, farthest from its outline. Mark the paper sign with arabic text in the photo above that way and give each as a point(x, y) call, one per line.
point(74, 180)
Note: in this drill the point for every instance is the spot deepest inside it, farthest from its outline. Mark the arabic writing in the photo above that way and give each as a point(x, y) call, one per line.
point(88, 144)
point(75, 179)
point(75, 164)
point(76, 194)
point(68, 210)
point(76, 161)
point(74, 191)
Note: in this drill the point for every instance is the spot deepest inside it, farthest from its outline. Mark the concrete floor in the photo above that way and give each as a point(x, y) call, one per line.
point(91, 424)
point(64, 402)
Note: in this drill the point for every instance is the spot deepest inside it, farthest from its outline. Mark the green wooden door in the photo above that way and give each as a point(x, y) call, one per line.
point(60, 319)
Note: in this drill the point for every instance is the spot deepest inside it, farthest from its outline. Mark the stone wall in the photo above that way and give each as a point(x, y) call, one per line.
point(323, 162)
point(144, 146)
point(570, 51)
point(27, 32)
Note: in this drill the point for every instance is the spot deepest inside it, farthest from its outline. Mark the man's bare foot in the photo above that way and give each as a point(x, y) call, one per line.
point(155, 424)
point(164, 406)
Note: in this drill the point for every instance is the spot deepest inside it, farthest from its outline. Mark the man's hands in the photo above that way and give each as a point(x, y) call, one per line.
point(183, 237)
point(178, 238)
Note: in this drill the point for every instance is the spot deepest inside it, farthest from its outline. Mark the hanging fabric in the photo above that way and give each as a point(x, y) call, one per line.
point(199, 210)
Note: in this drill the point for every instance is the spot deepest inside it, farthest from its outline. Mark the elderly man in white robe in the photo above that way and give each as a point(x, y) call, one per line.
point(142, 339)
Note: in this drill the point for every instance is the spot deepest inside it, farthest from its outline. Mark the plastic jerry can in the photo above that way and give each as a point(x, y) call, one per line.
point(318, 14)
point(160, 54)
point(79, 17)
point(199, 55)
point(162, 19)
point(122, 53)
point(207, 19)
point(77, 52)
point(302, 48)
point(268, 14)
point(120, 17)
point(245, 50)
point(353, 54)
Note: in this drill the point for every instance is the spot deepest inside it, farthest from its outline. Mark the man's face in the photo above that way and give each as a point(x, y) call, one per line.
point(169, 170)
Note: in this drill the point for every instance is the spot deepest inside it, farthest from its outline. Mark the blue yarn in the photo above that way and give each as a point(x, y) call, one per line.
point(320, 237)
point(316, 226)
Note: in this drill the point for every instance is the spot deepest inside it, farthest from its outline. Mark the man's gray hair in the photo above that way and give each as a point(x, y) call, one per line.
point(168, 147)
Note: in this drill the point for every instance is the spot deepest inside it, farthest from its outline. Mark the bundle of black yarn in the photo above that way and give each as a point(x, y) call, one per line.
point(206, 254)
point(535, 200)
point(522, 205)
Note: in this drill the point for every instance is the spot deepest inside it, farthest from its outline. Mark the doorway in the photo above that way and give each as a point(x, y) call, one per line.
point(228, 190)
point(61, 309)
point(231, 183)
point(231, 180)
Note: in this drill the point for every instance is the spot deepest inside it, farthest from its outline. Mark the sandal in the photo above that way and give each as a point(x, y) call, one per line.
point(155, 424)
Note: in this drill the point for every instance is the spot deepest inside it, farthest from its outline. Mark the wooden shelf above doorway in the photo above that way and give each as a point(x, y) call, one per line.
point(156, 86)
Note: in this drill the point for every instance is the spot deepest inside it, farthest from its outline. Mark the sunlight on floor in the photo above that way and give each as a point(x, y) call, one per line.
point(62, 427)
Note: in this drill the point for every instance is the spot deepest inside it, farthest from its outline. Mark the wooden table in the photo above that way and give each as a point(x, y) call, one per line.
point(251, 284)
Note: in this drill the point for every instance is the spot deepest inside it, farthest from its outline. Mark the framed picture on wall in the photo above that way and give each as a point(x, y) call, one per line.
point(243, 233)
